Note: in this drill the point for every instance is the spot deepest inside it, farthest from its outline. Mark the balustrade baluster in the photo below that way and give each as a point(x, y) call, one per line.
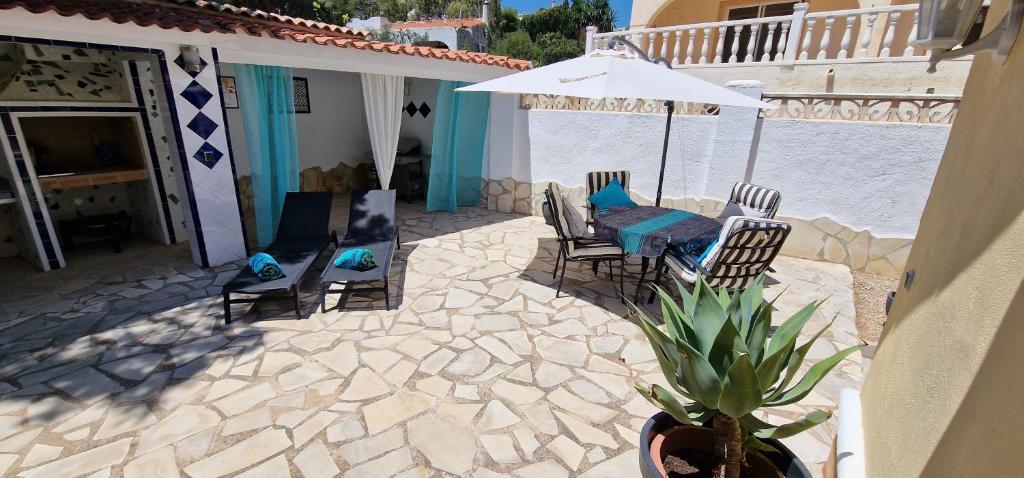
point(780, 48)
point(718, 45)
point(651, 49)
point(733, 57)
point(689, 46)
point(890, 33)
point(678, 47)
point(844, 45)
point(805, 48)
point(866, 34)
point(751, 45)
point(769, 43)
point(705, 45)
point(826, 38)
point(909, 50)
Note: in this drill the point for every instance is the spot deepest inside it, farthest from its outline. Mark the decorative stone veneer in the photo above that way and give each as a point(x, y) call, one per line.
point(821, 239)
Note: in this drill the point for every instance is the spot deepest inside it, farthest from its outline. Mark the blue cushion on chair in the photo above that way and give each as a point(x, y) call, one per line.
point(610, 196)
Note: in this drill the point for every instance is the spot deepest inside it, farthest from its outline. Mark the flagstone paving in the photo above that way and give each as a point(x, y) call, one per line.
point(122, 365)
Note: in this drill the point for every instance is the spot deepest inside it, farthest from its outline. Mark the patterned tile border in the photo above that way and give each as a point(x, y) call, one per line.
point(821, 239)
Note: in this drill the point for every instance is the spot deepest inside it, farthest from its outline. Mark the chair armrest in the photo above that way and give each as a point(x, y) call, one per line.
point(691, 261)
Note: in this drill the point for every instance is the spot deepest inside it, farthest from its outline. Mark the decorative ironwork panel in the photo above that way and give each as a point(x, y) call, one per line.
point(921, 109)
point(617, 105)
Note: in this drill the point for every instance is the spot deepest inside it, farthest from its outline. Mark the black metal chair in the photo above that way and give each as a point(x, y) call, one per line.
point(371, 225)
point(752, 201)
point(597, 180)
point(745, 249)
point(303, 233)
point(573, 245)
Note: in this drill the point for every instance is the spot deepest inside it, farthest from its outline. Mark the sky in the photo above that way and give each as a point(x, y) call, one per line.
point(621, 7)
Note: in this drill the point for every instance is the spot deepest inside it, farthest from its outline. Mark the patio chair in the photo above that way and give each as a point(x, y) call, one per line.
point(303, 233)
point(752, 201)
point(371, 225)
point(597, 180)
point(744, 250)
point(574, 244)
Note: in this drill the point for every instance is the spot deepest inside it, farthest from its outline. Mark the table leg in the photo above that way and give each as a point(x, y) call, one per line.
point(644, 262)
point(659, 265)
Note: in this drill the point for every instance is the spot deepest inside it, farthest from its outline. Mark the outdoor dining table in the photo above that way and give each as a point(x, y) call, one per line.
point(650, 231)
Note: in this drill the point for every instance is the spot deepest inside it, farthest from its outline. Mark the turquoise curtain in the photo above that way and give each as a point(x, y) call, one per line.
point(266, 99)
point(457, 153)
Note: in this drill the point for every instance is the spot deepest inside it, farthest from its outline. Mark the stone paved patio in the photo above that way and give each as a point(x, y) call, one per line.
point(121, 366)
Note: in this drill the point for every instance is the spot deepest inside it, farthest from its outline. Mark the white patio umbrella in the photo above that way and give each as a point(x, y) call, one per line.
point(617, 74)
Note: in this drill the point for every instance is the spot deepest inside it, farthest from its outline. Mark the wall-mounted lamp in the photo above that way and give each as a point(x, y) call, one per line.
point(190, 55)
point(944, 24)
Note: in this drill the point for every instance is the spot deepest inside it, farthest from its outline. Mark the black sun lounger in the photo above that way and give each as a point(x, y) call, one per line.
point(303, 233)
point(371, 225)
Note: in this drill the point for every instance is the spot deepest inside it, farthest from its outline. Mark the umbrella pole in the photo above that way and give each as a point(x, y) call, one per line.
point(670, 107)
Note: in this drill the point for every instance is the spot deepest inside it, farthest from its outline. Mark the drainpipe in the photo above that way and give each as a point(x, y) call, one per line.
point(484, 13)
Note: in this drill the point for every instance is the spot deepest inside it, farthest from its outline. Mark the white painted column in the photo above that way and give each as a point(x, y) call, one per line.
point(732, 142)
point(204, 161)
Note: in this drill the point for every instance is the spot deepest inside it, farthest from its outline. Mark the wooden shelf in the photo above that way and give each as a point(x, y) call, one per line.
point(72, 181)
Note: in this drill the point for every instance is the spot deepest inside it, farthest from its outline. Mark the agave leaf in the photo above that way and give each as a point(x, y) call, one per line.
point(663, 399)
point(708, 316)
point(761, 429)
point(664, 350)
point(689, 300)
point(741, 393)
point(698, 376)
point(678, 324)
point(788, 331)
point(813, 376)
point(750, 301)
point(795, 359)
point(758, 336)
point(769, 370)
point(752, 443)
point(727, 344)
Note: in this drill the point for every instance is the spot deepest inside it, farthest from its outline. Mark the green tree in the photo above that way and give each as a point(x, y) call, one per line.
point(553, 47)
point(505, 20)
point(463, 9)
point(517, 45)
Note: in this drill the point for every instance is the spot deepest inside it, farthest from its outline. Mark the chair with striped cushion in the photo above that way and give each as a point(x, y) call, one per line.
point(597, 180)
point(753, 201)
point(744, 250)
point(575, 245)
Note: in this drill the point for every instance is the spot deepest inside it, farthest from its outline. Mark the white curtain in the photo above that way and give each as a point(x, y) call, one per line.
point(382, 95)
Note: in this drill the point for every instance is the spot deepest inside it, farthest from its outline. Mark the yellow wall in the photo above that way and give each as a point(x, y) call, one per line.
point(945, 393)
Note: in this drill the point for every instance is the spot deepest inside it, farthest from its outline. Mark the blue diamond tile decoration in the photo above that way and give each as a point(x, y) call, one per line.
point(180, 61)
point(424, 109)
point(208, 155)
point(410, 109)
point(202, 125)
point(197, 95)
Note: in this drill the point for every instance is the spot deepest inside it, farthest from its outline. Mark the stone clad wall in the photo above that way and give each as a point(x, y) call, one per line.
point(821, 239)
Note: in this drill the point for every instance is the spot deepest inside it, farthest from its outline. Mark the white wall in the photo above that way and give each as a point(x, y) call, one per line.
point(508, 145)
point(565, 145)
point(334, 131)
point(865, 175)
point(420, 91)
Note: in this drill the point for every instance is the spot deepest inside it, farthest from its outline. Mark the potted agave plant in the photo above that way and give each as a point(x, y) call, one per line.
point(722, 364)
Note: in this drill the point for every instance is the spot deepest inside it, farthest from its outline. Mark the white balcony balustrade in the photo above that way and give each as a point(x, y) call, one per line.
point(834, 36)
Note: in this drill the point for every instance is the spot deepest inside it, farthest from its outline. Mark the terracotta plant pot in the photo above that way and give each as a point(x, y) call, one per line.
point(663, 435)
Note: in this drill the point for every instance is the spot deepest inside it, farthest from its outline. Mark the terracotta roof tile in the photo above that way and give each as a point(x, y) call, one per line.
point(454, 23)
point(212, 17)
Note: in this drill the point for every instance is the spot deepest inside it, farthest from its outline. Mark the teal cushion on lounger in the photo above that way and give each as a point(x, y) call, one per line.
point(265, 266)
point(610, 196)
point(704, 255)
point(357, 259)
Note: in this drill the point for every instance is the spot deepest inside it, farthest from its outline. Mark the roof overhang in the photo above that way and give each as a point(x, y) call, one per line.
point(235, 48)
